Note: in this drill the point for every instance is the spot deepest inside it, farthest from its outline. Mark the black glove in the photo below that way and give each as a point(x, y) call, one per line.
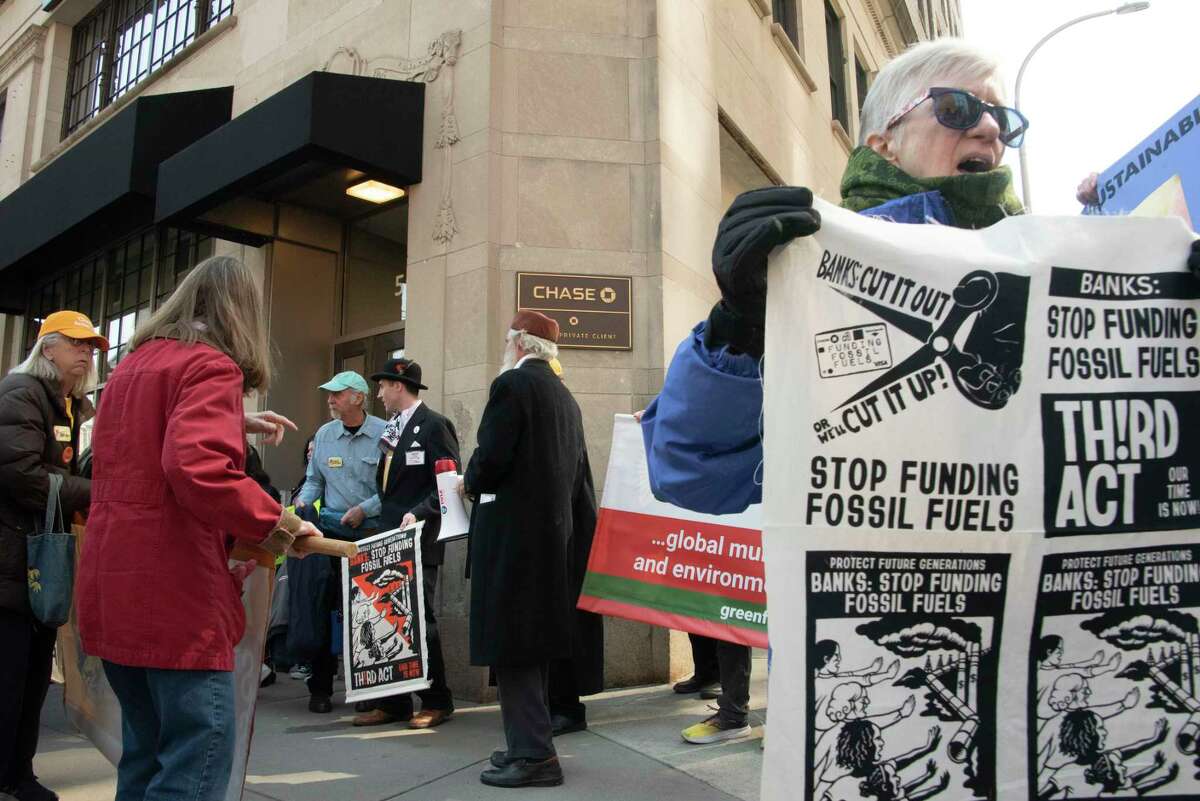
point(757, 222)
point(1194, 258)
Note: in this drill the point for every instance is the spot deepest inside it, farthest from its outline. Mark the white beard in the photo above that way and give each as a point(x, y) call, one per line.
point(510, 356)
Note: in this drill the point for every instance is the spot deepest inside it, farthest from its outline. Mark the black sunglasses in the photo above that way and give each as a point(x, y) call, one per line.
point(961, 110)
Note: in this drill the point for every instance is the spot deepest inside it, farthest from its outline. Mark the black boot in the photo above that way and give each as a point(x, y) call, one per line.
point(694, 684)
point(525, 773)
point(565, 724)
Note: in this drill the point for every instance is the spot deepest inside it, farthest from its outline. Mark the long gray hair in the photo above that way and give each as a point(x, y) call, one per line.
point(37, 365)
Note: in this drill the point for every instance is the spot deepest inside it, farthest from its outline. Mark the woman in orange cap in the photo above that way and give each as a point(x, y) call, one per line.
point(42, 405)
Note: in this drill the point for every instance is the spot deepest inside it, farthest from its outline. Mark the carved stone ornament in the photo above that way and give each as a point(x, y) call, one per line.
point(440, 57)
point(28, 45)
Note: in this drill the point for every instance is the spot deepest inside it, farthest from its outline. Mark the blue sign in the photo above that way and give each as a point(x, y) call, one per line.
point(1159, 177)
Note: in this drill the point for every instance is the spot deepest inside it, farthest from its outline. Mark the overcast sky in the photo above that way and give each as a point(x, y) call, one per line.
point(1094, 90)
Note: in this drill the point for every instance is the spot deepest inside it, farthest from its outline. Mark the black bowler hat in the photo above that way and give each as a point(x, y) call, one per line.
point(405, 370)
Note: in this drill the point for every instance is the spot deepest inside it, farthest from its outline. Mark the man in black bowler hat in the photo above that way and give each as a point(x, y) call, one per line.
point(415, 438)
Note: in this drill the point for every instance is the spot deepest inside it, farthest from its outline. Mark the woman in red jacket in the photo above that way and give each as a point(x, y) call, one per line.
point(155, 596)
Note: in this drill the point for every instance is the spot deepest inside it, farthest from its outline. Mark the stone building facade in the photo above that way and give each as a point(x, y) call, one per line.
point(583, 137)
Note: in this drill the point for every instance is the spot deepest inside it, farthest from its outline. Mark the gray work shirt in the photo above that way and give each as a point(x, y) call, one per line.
point(342, 469)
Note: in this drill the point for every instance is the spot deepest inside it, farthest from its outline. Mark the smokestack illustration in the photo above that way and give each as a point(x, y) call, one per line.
point(1132, 630)
point(912, 637)
point(1187, 740)
point(1129, 631)
point(1195, 655)
point(1190, 664)
point(1185, 667)
point(972, 697)
point(960, 744)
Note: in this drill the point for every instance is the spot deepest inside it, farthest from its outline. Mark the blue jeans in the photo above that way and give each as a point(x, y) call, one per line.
point(177, 733)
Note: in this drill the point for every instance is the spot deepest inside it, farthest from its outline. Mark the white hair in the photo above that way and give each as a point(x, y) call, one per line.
point(534, 346)
point(947, 61)
point(38, 365)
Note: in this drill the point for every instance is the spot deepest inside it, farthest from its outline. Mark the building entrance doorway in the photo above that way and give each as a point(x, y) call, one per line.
point(374, 296)
point(365, 354)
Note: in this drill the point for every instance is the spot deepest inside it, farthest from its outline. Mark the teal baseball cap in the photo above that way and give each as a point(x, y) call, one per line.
point(347, 379)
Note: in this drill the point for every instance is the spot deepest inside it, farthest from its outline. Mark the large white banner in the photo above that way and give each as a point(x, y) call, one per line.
point(656, 563)
point(979, 518)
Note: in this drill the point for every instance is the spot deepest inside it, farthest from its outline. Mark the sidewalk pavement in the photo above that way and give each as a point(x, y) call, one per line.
point(631, 750)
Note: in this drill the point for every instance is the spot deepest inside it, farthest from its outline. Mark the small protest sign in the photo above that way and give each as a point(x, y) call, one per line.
point(384, 635)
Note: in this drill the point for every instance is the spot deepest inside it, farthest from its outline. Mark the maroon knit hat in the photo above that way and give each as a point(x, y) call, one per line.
point(535, 323)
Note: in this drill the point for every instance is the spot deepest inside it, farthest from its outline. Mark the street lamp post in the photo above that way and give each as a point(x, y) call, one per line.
point(1125, 8)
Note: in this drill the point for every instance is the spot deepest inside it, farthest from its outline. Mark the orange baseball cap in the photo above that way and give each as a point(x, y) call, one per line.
point(72, 324)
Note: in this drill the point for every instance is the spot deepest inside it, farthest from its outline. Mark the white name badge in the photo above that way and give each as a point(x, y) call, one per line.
point(414, 457)
point(62, 433)
point(486, 497)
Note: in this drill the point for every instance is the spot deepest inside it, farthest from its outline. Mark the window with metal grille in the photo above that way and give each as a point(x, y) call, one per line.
point(837, 65)
point(121, 42)
point(129, 277)
point(120, 286)
point(787, 14)
point(180, 251)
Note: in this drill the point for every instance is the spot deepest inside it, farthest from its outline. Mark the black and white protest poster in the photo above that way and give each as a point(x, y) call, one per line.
point(1114, 690)
point(384, 612)
point(944, 409)
point(902, 666)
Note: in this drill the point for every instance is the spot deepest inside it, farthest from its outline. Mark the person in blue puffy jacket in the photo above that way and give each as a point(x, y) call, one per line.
point(933, 130)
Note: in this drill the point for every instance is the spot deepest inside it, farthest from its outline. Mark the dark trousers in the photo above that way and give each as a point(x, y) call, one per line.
point(525, 711)
point(26, 650)
point(438, 695)
point(704, 657)
point(324, 663)
point(733, 661)
point(563, 691)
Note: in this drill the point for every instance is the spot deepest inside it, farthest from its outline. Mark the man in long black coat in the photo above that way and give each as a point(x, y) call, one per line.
point(531, 484)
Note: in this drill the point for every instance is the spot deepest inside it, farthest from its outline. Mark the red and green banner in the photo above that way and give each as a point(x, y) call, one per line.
point(657, 563)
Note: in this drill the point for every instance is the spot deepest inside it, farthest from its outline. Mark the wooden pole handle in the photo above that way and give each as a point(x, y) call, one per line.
point(323, 545)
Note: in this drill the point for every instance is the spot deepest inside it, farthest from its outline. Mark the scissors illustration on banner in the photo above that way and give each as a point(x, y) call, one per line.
point(986, 366)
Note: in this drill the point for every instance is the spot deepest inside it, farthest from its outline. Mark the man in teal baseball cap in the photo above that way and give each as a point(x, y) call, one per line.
point(342, 473)
point(347, 379)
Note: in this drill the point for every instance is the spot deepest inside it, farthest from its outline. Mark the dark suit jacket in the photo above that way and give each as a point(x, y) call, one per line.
point(413, 488)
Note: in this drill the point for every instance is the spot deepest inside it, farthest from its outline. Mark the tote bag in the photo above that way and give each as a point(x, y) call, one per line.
point(51, 563)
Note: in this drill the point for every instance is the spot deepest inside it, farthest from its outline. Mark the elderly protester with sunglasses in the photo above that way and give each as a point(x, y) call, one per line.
point(934, 129)
point(43, 402)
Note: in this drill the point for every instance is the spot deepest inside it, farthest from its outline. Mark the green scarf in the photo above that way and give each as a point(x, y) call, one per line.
point(976, 200)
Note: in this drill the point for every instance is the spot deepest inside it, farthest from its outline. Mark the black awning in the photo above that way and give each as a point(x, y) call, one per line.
point(101, 188)
point(368, 124)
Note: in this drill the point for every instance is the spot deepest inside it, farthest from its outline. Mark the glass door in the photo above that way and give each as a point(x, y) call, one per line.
point(366, 354)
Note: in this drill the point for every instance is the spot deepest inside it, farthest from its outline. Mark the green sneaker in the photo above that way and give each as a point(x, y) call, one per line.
point(713, 730)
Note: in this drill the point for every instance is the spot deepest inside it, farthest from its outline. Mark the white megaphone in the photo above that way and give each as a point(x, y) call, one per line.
point(454, 514)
